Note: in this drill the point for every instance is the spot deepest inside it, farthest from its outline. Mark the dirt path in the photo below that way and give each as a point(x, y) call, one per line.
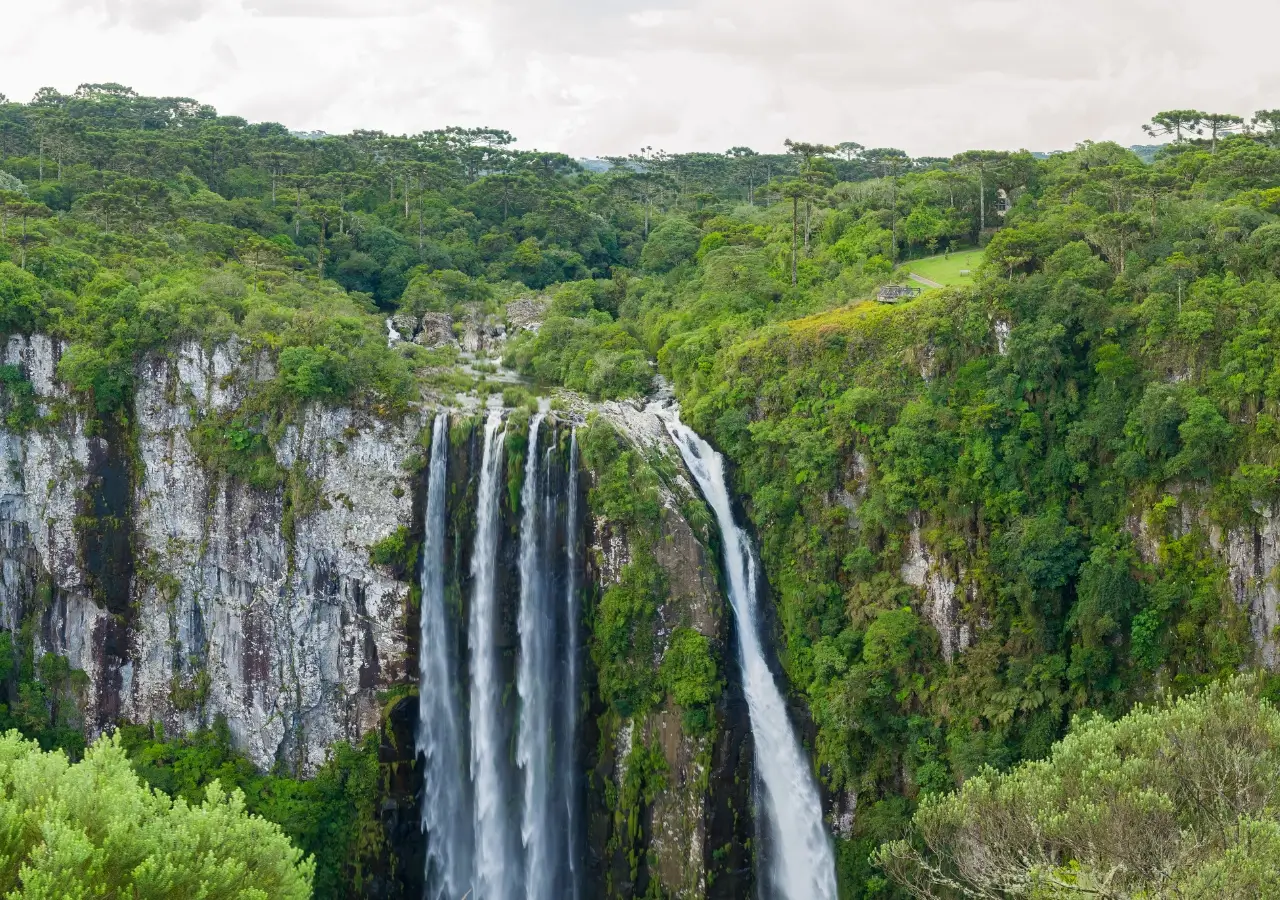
point(922, 280)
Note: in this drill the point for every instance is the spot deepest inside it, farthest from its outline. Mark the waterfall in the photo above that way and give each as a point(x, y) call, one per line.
point(527, 840)
point(535, 675)
point(445, 793)
point(496, 858)
point(802, 866)
point(568, 744)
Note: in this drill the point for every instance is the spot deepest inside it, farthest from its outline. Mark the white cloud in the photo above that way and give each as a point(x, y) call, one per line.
point(146, 15)
point(607, 76)
point(332, 9)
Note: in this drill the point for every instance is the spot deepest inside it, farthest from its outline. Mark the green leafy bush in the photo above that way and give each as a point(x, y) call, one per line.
point(332, 817)
point(239, 447)
point(17, 395)
point(1177, 799)
point(623, 637)
point(21, 307)
point(314, 373)
point(593, 355)
point(397, 551)
point(673, 242)
point(45, 694)
point(688, 673)
point(93, 828)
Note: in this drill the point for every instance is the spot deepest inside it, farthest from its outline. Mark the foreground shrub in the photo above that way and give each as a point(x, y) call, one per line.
point(93, 829)
point(1174, 800)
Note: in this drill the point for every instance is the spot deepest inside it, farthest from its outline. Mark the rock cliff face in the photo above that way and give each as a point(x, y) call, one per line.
point(942, 592)
point(184, 594)
point(41, 483)
point(697, 832)
point(1249, 551)
point(1252, 553)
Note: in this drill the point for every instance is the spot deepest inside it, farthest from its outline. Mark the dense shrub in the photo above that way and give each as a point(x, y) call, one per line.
point(332, 817)
point(1178, 799)
point(689, 675)
point(397, 551)
point(93, 828)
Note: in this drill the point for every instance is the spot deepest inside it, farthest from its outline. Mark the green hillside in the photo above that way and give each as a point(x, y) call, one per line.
point(1045, 493)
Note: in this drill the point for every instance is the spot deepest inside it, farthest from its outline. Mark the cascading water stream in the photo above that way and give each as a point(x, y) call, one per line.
point(446, 794)
point(568, 756)
point(497, 862)
point(526, 841)
point(535, 673)
point(802, 866)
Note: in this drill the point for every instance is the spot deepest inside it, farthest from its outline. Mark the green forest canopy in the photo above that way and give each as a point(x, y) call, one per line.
point(1063, 438)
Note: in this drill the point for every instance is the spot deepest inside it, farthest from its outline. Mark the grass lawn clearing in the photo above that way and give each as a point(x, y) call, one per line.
point(945, 270)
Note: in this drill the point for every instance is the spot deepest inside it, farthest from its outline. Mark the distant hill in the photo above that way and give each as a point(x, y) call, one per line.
point(1146, 152)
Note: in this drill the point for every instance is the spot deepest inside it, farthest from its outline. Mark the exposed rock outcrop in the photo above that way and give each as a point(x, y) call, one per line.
point(941, 607)
point(482, 333)
point(1252, 553)
point(405, 325)
point(42, 482)
point(525, 314)
point(688, 822)
point(437, 330)
point(261, 607)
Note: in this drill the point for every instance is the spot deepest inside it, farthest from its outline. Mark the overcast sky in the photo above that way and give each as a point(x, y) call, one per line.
point(595, 77)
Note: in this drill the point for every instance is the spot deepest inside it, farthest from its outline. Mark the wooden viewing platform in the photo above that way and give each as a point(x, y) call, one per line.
point(892, 293)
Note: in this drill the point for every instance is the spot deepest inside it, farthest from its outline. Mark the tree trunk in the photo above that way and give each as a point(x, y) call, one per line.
point(795, 239)
point(320, 255)
point(982, 203)
point(893, 220)
point(808, 224)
